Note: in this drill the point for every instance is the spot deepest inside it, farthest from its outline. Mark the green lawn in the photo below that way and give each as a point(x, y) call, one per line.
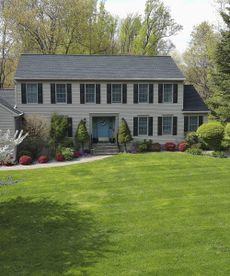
point(153, 214)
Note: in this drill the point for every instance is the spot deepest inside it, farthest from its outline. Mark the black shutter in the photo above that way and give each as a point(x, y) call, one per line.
point(135, 126)
point(82, 93)
point(150, 126)
point(175, 93)
point(135, 93)
point(185, 124)
point(52, 93)
point(159, 126)
point(40, 93)
point(174, 126)
point(109, 87)
point(201, 120)
point(23, 93)
point(160, 93)
point(98, 93)
point(69, 93)
point(70, 127)
point(150, 93)
point(124, 93)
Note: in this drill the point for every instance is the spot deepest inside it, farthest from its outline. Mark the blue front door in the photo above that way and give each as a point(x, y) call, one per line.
point(103, 127)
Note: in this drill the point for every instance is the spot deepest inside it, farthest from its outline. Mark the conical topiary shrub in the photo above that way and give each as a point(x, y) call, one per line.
point(124, 134)
point(82, 135)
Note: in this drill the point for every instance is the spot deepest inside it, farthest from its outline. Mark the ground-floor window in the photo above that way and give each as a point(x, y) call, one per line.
point(192, 122)
point(167, 125)
point(142, 125)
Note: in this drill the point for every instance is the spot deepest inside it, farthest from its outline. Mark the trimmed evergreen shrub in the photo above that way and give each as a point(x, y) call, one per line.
point(124, 134)
point(192, 138)
point(25, 160)
point(82, 135)
point(194, 151)
point(218, 154)
point(58, 130)
point(212, 134)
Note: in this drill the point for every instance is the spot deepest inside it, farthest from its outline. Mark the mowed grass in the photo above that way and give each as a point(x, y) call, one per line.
point(147, 214)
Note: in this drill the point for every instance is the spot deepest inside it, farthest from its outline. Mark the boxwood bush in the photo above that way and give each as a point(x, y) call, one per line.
point(212, 134)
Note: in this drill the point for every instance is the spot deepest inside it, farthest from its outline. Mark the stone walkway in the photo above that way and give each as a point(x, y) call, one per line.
point(54, 164)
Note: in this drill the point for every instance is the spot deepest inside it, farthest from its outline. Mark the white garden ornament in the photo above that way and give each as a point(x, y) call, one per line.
point(8, 144)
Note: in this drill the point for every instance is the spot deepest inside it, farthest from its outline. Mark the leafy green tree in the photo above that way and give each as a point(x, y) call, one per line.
point(157, 27)
point(58, 130)
point(124, 134)
point(220, 102)
point(82, 135)
point(199, 58)
point(129, 29)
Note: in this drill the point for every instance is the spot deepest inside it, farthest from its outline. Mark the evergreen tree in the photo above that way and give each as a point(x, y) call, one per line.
point(124, 134)
point(220, 102)
point(82, 135)
point(58, 130)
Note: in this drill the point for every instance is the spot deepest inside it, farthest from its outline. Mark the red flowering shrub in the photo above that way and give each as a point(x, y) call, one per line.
point(170, 146)
point(43, 159)
point(59, 157)
point(156, 147)
point(25, 160)
point(182, 146)
point(77, 154)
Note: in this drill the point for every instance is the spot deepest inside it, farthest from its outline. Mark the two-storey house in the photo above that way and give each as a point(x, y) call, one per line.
point(149, 92)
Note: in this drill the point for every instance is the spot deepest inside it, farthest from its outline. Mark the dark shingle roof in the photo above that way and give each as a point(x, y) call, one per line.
point(192, 100)
point(85, 67)
point(7, 100)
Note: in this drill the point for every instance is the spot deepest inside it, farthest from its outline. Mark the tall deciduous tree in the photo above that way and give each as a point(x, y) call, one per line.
point(199, 58)
point(220, 102)
point(157, 27)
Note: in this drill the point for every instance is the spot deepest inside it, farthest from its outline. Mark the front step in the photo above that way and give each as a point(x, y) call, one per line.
point(104, 149)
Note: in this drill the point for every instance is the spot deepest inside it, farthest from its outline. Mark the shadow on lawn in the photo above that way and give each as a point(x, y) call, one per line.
point(45, 238)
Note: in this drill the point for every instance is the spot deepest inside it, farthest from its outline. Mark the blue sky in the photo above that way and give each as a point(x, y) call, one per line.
point(188, 13)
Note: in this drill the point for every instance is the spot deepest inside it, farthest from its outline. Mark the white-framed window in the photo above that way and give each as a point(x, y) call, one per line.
point(61, 93)
point(167, 93)
point(167, 125)
point(116, 93)
point(143, 93)
point(142, 125)
point(32, 93)
point(90, 93)
point(193, 123)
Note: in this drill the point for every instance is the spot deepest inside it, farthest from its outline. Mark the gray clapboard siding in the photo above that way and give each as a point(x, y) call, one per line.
point(7, 120)
point(80, 111)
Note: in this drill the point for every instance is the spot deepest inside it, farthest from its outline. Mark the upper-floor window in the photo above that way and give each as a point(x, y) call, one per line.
point(116, 93)
point(143, 93)
point(168, 93)
point(60, 93)
point(32, 93)
point(90, 93)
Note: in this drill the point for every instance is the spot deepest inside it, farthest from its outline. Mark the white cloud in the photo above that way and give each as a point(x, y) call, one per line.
point(187, 13)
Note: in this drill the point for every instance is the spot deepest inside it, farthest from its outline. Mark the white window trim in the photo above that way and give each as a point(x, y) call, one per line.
point(112, 93)
point(65, 93)
point(164, 93)
point(142, 135)
point(189, 122)
point(147, 93)
point(27, 92)
point(170, 116)
point(94, 93)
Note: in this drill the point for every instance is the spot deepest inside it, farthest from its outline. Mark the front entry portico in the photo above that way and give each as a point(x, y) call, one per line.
point(103, 128)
